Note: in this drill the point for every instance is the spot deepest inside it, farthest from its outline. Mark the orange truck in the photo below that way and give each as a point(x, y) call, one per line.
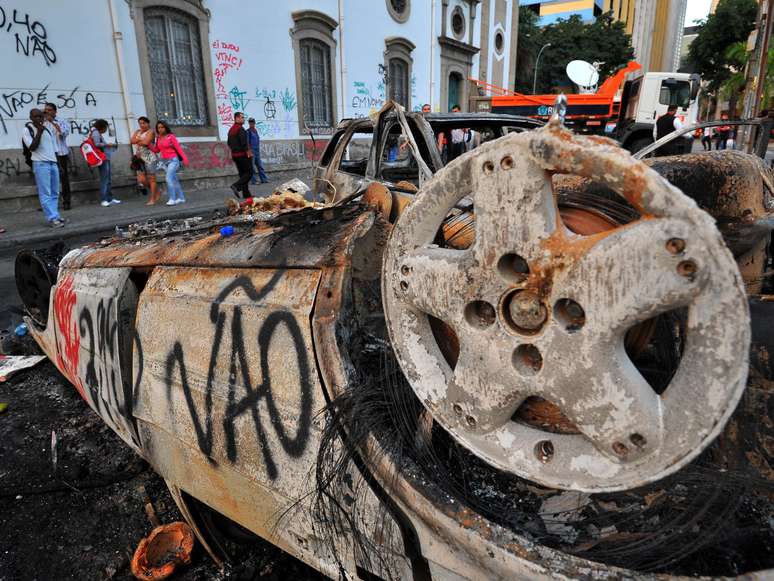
point(624, 107)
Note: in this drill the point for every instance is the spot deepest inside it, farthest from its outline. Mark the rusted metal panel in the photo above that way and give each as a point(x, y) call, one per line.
point(93, 314)
point(301, 239)
point(227, 366)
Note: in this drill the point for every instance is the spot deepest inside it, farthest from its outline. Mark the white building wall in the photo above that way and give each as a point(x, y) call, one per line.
point(71, 62)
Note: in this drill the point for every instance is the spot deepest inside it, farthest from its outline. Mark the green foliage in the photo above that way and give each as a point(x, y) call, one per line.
point(604, 40)
point(715, 52)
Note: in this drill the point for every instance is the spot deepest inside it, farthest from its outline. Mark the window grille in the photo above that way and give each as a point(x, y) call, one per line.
point(316, 83)
point(399, 81)
point(175, 63)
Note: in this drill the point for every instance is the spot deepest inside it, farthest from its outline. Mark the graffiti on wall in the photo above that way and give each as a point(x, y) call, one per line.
point(29, 36)
point(226, 56)
point(366, 99)
point(16, 104)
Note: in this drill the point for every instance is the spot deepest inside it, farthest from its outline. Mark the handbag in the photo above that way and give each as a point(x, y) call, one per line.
point(136, 164)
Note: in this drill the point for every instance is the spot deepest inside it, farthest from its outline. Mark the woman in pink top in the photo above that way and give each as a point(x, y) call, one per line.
point(171, 155)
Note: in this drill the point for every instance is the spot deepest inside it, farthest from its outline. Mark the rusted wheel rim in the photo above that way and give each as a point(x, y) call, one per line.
point(542, 312)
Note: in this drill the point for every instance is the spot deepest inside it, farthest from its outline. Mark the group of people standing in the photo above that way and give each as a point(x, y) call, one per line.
point(44, 141)
point(723, 136)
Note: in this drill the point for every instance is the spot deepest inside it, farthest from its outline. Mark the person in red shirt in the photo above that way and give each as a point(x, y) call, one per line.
point(241, 154)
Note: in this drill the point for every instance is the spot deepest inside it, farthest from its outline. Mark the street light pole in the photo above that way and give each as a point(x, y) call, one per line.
point(537, 63)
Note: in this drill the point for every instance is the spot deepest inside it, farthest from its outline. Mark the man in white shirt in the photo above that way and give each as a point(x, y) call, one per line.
point(38, 137)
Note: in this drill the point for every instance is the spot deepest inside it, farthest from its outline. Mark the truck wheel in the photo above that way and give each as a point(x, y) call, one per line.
point(637, 144)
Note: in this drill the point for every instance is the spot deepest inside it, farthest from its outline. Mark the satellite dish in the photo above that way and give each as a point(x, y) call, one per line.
point(583, 74)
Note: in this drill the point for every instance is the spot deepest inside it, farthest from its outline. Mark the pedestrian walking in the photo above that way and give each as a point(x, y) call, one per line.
point(98, 131)
point(38, 138)
point(706, 139)
point(255, 147)
point(62, 130)
point(144, 161)
point(665, 125)
point(722, 133)
point(171, 154)
point(241, 154)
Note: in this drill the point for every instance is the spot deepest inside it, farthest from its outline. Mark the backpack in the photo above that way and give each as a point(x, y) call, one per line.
point(26, 150)
point(93, 156)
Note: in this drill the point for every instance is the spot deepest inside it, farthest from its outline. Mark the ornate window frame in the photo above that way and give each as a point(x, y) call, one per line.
point(397, 16)
point(311, 24)
point(399, 48)
point(202, 15)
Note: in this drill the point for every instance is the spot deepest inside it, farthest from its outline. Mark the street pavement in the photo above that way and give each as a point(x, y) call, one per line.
point(28, 228)
point(88, 223)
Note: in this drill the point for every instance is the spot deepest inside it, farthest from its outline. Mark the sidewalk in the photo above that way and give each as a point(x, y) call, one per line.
point(29, 228)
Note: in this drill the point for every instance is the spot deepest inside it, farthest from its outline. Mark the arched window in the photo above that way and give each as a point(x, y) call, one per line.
point(316, 83)
point(174, 49)
point(399, 81)
point(175, 62)
point(397, 63)
point(315, 51)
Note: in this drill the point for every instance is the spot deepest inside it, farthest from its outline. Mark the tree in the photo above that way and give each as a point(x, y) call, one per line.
point(604, 40)
point(528, 47)
point(731, 23)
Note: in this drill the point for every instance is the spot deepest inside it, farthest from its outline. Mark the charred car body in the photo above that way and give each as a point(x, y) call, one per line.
point(546, 363)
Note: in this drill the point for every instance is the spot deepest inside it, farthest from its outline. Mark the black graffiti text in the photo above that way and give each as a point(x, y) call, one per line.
point(30, 36)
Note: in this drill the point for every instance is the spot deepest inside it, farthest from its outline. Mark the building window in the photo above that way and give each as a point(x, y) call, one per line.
point(316, 83)
point(175, 63)
point(397, 64)
point(499, 42)
point(458, 23)
point(399, 9)
point(399, 81)
point(315, 55)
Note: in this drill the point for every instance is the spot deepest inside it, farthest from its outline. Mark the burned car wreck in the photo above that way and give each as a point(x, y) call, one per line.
point(549, 362)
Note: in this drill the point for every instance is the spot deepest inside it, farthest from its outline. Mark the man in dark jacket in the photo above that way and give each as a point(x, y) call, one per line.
point(665, 125)
point(239, 145)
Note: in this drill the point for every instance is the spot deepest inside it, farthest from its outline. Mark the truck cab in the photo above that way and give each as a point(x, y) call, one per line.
point(646, 96)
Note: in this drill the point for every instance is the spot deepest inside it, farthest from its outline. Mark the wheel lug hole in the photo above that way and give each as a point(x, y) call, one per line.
point(480, 314)
point(506, 162)
point(569, 314)
point(638, 440)
point(405, 270)
point(513, 268)
point(675, 245)
point(687, 268)
point(544, 451)
point(524, 312)
point(527, 359)
point(488, 167)
point(403, 285)
point(471, 421)
point(457, 409)
point(620, 448)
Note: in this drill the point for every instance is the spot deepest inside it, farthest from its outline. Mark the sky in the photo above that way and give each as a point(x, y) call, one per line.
point(696, 10)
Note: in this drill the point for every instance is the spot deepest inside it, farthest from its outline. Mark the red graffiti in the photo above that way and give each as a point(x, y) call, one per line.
point(208, 155)
point(227, 59)
point(314, 149)
point(68, 353)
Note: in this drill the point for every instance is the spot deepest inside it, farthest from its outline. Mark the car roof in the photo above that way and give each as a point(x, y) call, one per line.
point(442, 120)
